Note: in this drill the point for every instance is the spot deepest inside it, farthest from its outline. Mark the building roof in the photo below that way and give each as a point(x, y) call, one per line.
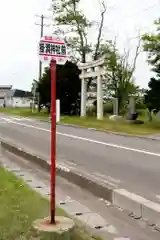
point(6, 87)
point(19, 93)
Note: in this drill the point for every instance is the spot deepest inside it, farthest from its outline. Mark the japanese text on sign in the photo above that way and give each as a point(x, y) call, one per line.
point(52, 49)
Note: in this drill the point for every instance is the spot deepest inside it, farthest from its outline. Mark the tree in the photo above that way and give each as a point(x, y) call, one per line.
point(151, 44)
point(152, 96)
point(44, 89)
point(99, 36)
point(67, 15)
point(68, 87)
point(119, 78)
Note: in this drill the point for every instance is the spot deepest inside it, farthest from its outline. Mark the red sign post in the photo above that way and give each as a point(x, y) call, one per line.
point(53, 50)
point(53, 138)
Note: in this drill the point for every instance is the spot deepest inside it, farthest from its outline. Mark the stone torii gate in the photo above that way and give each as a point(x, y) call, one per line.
point(92, 69)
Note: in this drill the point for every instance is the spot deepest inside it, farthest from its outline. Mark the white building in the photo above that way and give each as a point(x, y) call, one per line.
point(18, 98)
point(4, 89)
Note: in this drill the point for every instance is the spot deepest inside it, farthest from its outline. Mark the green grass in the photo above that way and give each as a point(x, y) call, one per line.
point(25, 112)
point(111, 126)
point(20, 206)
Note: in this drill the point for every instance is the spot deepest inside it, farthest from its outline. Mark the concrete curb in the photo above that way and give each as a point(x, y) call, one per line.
point(132, 203)
point(74, 177)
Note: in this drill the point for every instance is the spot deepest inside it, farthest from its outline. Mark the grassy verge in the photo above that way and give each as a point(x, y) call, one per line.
point(119, 127)
point(25, 112)
point(20, 206)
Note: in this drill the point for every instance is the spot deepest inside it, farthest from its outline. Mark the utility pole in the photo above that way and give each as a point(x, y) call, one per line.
point(42, 25)
point(41, 35)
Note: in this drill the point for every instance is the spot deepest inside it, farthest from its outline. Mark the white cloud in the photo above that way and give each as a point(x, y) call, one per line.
point(20, 36)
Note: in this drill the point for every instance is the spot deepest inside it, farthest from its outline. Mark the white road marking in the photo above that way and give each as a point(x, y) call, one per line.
point(87, 139)
point(17, 119)
point(21, 119)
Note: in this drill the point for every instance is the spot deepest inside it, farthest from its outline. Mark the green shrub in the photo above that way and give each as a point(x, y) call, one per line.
point(140, 105)
point(141, 112)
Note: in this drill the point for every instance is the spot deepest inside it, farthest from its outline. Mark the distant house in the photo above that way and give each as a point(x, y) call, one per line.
point(18, 98)
point(4, 89)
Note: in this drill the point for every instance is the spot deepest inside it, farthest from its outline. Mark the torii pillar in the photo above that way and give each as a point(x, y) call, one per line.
point(96, 70)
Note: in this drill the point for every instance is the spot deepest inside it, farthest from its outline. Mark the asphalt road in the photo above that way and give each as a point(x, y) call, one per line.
point(124, 162)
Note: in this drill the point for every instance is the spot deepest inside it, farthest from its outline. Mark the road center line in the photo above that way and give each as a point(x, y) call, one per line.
point(87, 139)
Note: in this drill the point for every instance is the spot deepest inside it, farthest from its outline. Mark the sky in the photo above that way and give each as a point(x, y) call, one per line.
point(20, 35)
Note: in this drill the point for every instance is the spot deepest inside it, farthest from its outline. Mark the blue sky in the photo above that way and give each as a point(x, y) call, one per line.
point(20, 36)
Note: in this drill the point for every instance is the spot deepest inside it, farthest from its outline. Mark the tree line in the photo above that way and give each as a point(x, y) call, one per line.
point(70, 21)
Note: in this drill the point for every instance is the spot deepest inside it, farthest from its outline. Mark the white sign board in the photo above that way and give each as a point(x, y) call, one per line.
point(52, 47)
